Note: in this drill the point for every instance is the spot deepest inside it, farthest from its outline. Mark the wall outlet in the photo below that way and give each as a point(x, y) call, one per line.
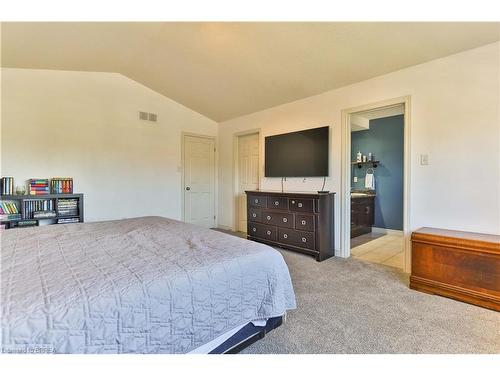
point(424, 159)
point(355, 179)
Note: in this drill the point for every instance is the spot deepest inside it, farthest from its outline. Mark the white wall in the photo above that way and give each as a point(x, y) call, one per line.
point(455, 120)
point(85, 125)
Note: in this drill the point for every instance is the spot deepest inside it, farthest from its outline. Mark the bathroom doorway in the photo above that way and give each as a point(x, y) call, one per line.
point(375, 184)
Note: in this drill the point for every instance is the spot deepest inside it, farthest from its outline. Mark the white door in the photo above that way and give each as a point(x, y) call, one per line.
point(248, 173)
point(199, 181)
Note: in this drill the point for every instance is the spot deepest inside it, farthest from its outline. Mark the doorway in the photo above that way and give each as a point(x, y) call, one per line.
point(198, 180)
point(246, 174)
point(375, 183)
point(377, 153)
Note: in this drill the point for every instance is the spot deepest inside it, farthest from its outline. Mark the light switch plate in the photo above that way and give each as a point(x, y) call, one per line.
point(355, 179)
point(424, 159)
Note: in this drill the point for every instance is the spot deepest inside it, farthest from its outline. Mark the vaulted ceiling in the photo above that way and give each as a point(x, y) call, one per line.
point(225, 70)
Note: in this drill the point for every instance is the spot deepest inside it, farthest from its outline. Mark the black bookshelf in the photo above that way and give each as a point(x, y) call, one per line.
point(20, 202)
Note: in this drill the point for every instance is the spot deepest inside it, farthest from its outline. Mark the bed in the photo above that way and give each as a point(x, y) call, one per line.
point(141, 285)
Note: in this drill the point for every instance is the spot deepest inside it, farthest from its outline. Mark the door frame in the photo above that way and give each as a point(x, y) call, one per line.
point(236, 170)
point(345, 197)
point(215, 173)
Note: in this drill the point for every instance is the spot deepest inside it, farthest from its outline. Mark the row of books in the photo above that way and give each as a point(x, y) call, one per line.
point(61, 185)
point(9, 211)
point(7, 207)
point(7, 185)
point(37, 208)
point(38, 186)
point(67, 207)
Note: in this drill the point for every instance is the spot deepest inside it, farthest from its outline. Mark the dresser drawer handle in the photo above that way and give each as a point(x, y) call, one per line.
point(268, 232)
point(254, 215)
point(256, 201)
point(268, 217)
point(303, 222)
point(285, 219)
point(293, 202)
point(276, 203)
point(285, 235)
point(300, 205)
point(254, 229)
point(304, 239)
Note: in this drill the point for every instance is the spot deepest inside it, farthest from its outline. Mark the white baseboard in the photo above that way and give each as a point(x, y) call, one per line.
point(392, 232)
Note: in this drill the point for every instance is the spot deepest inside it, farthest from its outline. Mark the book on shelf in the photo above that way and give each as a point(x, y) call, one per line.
point(27, 223)
point(61, 185)
point(44, 214)
point(7, 185)
point(38, 186)
point(8, 217)
point(8, 207)
point(67, 207)
point(68, 220)
point(37, 205)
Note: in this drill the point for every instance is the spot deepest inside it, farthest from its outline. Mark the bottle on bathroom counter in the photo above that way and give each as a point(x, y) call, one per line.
point(359, 157)
point(370, 156)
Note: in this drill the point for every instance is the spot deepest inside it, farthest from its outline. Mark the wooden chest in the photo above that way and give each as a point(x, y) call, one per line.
point(459, 265)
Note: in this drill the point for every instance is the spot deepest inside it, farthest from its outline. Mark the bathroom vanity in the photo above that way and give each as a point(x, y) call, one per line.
point(362, 213)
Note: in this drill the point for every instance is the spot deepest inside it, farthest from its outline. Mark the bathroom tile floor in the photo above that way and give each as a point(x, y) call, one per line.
point(379, 248)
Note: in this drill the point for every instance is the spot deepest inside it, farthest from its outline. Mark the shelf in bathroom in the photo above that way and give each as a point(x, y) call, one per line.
point(374, 163)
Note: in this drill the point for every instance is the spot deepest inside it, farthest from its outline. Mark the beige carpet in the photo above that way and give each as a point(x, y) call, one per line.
point(352, 306)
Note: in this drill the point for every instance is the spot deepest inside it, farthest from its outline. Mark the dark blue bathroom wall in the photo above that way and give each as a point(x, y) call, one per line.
point(385, 140)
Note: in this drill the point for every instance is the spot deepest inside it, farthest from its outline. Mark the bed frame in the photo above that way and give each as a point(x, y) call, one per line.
point(247, 336)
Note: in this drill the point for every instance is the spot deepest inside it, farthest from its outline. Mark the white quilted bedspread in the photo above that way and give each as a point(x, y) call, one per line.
point(143, 285)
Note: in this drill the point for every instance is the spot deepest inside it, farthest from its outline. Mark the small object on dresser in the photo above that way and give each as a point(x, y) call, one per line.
point(61, 185)
point(7, 185)
point(38, 186)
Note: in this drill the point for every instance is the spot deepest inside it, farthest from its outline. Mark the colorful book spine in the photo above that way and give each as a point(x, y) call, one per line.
point(7, 208)
point(38, 186)
point(61, 185)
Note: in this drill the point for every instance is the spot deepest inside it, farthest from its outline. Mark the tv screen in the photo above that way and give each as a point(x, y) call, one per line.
point(298, 154)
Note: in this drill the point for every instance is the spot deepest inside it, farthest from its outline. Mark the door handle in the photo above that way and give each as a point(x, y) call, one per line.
point(188, 188)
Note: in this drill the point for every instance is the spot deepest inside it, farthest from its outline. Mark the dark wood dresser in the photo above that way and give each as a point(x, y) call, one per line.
point(459, 265)
point(301, 222)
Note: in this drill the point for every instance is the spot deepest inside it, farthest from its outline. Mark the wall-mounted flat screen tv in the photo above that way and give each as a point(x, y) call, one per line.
point(299, 154)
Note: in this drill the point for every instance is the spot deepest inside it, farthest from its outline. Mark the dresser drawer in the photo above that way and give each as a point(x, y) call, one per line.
point(304, 222)
point(296, 238)
point(254, 214)
point(265, 232)
point(302, 205)
point(277, 202)
point(257, 200)
point(280, 219)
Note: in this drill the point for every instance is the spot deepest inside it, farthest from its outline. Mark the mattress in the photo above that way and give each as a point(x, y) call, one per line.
point(142, 285)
